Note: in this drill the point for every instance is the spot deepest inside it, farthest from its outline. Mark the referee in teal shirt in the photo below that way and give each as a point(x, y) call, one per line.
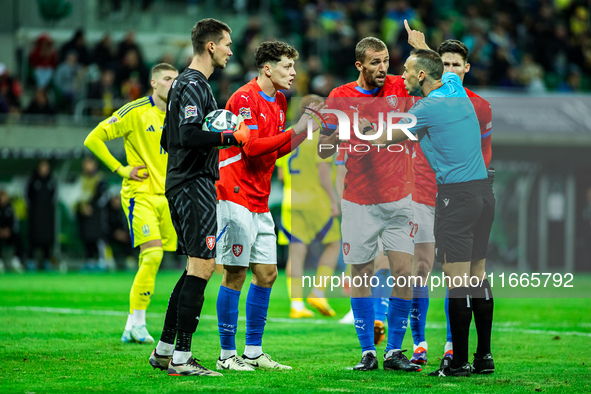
point(449, 134)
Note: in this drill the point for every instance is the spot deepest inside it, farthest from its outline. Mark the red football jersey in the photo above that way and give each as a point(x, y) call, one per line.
point(245, 172)
point(425, 186)
point(373, 176)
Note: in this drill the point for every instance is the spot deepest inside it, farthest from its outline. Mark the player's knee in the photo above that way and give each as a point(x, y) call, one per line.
point(401, 271)
point(234, 277)
point(151, 259)
point(265, 278)
point(422, 269)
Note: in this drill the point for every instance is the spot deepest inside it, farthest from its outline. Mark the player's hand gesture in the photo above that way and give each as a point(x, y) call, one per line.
point(416, 39)
point(133, 173)
point(302, 124)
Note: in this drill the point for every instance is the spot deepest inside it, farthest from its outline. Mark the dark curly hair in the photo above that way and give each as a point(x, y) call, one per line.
point(272, 51)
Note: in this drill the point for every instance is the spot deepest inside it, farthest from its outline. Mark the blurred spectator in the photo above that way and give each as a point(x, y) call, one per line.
point(10, 92)
point(105, 53)
point(77, 44)
point(532, 74)
point(117, 234)
point(9, 234)
point(43, 60)
point(106, 91)
point(133, 76)
point(572, 83)
point(68, 81)
point(41, 107)
point(127, 44)
point(89, 211)
point(41, 196)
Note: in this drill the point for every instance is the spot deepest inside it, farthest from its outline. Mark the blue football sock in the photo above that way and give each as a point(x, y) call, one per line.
point(227, 309)
point(364, 320)
point(397, 322)
point(418, 313)
point(446, 306)
point(257, 305)
point(380, 294)
point(380, 306)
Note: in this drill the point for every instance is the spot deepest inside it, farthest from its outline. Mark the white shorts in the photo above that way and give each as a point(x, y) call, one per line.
point(423, 223)
point(363, 225)
point(244, 237)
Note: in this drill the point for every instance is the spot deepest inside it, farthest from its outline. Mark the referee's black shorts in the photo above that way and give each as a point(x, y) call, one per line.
point(193, 213)
point(464, 214)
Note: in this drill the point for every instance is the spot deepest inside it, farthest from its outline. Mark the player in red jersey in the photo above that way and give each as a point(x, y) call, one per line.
point(454, 55)
point(246, 232)
point(376, 201)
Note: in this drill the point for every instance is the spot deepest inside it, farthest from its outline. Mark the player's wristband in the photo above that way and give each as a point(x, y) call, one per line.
point(229, 139)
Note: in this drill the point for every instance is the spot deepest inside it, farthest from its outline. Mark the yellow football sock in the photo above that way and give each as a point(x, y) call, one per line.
point(145, 279)
point(323, 274)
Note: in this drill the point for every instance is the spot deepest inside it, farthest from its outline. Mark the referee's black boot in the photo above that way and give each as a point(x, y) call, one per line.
point(483, 365)
point(463, 370)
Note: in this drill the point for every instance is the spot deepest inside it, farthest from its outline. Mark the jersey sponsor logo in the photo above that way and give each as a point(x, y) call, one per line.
point(210, 240)
point(445, 201)
point(190, 110)
point(151, 128)
point(245, 97)
point(392, 101)
point(146, 230)
point(346, 248)
point(264, 116)
point(237, 249)
point(489, 125)
point(113, 119)
point(245, 112)
point(356, 108)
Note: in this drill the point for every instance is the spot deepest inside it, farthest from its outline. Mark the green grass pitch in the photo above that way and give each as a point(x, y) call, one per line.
point(61, 333)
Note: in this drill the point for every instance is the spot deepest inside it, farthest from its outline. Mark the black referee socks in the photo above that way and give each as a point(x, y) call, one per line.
point(460, 316)
point(482, 305)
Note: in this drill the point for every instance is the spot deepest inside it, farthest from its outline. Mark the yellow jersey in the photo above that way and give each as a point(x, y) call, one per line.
point(302, 189)
point(140, 124)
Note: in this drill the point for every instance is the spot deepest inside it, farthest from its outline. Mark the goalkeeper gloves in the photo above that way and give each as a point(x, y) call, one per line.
point(239, 136)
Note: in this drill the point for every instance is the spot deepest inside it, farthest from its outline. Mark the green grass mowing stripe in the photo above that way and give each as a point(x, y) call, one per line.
point(82, 353)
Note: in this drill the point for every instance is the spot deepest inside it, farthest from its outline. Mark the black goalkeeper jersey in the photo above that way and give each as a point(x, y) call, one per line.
point(190, 99)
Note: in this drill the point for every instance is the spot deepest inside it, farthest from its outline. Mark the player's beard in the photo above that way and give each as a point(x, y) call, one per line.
point(371, 80)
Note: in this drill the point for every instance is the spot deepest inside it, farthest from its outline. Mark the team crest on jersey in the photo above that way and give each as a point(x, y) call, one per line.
point(113, 119)
point(146, 230)
point(210, 242)
point(392, 101)
point(190, 110)
point(281, 117)
point(346, 248)
point(245, 113)
point(237, 249)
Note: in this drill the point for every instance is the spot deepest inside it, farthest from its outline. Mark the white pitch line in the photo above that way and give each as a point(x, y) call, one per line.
point(501, 326)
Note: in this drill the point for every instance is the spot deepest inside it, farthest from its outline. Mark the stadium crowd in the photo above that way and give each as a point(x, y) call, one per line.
point(535, 46)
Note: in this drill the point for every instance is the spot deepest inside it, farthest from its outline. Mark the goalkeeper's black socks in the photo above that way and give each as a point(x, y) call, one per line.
point(170, 320)
point(190, 303)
